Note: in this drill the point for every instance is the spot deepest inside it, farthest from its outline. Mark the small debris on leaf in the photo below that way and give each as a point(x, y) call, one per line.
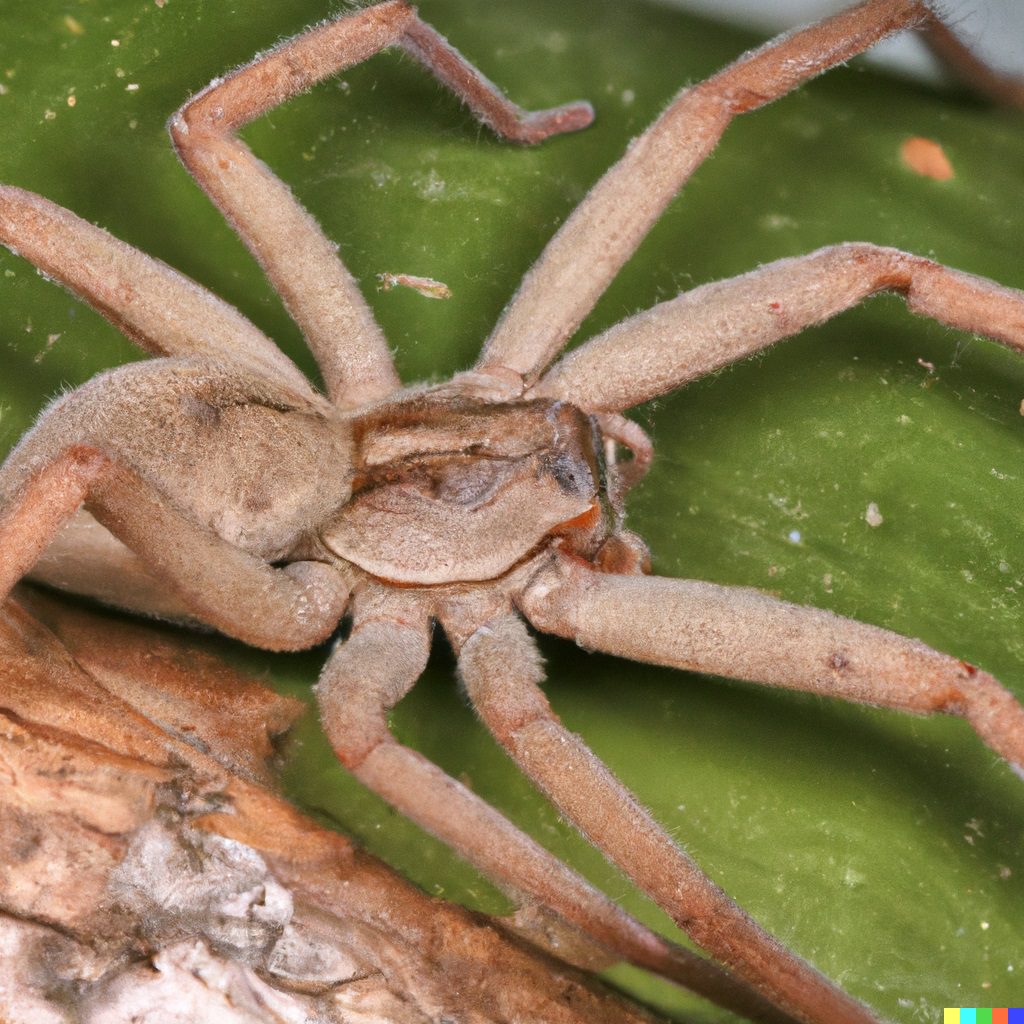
point(927, 158)
point(426, 286)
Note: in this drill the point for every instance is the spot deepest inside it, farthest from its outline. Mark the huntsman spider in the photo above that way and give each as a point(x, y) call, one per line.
point(214, 484)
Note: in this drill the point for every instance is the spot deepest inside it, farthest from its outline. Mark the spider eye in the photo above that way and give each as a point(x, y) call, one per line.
point(573, 474)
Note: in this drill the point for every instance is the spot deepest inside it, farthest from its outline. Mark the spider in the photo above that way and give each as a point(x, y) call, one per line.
point(220, 488)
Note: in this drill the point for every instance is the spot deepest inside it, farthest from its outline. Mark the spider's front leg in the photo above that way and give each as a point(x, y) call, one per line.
point(720, 323)
point(501, 672)
point(299, 260)
point(742, 633)
point(601, 234)
point(733, 632)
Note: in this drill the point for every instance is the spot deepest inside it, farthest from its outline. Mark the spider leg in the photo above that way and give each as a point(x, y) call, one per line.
point(224, 586)
point(301, 263)
point(488, 103)
point(598, 237)
point(970, 69)
point(742, 633)
point(363, 679)
point(501, 670)
point(162, 311)
point(716, 324)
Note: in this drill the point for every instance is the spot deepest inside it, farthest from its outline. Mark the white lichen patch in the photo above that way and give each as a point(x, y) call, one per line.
point(430, 185)
point(777, 222)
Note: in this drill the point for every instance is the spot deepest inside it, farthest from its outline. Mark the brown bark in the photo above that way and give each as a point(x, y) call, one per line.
point(150, 873)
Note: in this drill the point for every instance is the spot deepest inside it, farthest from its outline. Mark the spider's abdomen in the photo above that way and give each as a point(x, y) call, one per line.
point(445, 495)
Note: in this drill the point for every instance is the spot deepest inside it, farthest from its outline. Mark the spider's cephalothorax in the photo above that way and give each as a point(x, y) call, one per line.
point(216, 484)
point(458, 490)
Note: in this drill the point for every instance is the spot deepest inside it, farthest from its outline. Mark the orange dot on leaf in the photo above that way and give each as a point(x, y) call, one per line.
point(925, 157)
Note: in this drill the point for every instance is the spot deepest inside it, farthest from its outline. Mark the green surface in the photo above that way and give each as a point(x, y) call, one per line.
point(886, 849)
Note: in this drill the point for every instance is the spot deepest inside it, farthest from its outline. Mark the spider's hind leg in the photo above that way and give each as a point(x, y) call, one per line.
point(300, 261)
point(161, 310)
point(105, 448)
point(363, 679)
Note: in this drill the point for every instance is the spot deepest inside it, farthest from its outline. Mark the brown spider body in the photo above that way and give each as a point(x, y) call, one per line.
point(216, 485)
point(424, 491)
point(450, 491)
point(264, 466)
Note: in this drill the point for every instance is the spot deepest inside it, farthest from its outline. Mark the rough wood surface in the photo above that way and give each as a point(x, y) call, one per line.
point(151, 873)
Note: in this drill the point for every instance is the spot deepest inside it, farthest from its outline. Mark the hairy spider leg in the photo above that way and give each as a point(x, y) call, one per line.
point(707, 328)
point(726, 631)
point(501, 670)
point(161, 310)
point(300, 261)
point(742, 633)
point(43, 485)
point(597, 238)
point(363, 679)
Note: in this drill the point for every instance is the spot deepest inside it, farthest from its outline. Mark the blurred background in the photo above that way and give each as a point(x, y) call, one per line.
point(995, 28)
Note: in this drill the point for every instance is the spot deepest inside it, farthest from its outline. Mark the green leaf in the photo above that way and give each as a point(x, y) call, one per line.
point(885, 849)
